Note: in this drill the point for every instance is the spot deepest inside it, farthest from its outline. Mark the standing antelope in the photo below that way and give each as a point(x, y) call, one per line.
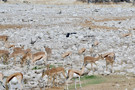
point(74, 73)
point(109, 57)
point(19, 53)
point(48, 51)
point(66, 54)
point(89, 59)
point(37, 56)
point(53, 72)
point(14, 77)
point(4, 54)
point(34, 57)
point(80, 52)
point(1, 79)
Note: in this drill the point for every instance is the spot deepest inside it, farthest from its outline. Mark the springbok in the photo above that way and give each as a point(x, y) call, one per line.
point(4, 54)
point(53, 72)
point(34, 57)
point(48, 51)
point(89, 59)
point(1, 79)
point(80, 52)
point(110, 58)
point(37, 56)
point(19, 53)
point(66, 54)
point(74, 73)
point(4, 38)
point(13, 78)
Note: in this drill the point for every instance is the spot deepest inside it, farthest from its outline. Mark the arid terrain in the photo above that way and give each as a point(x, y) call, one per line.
point(112, 26)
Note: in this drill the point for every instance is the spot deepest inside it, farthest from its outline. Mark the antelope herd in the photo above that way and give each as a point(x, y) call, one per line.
point(52, 73)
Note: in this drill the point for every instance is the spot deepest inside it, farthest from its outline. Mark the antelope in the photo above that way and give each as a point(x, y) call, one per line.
point(4, 54)
point(95, 44)
point(53, 72)
point(48, 51)
point(89, 59)
point(74, 73)
point(66, 54)
point(14, 77)
point(109, 57)
point(34, 57)
point(3, 38)
point(127, 34)
point(81, 51)
point(110, 54)
point(26, 57)
point(19, 53)
point(1, 79)
point(18, 48)
point(37, 56)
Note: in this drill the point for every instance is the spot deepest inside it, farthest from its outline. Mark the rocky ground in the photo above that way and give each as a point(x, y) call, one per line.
point(88, 23)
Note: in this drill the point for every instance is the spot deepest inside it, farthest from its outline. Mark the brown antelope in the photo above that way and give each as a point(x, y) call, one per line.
point(34, 57)
point(80, 52)
point(1, 79)
point(48, 51)
point(3, 38)
point(109, 57)
point(127, 34)
point(53, 72)
point(89, 59)
point(19, 53)
point(26, 57)
point(4, 54)
point(74, 73)
point(18, 48)
point(37, 56)
point(66, 54)
point(15, 77)
point(110, 54)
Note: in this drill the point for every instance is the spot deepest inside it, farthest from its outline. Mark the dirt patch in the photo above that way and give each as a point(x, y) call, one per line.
point(114, 83)
point(9, 26)
point(92, 26)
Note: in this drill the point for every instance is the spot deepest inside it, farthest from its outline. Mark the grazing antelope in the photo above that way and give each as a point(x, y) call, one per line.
point(18, 48)
point(19, 53)
point(74, 73)
point(53, 72)
point(89, 59)
point(37, 56)
point(3, 38)
point(82, 50)
point(110, 54)
point(4, 54)
point(127, 34)
point(14, 77)
point(34, 57)
point(95, 44)
point(109, 57)
point(26, 57)
point(48, 51)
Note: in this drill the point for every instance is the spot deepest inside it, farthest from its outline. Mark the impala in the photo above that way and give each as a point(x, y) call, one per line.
point(74, 73)
point(89, 59)
point(53, 72)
